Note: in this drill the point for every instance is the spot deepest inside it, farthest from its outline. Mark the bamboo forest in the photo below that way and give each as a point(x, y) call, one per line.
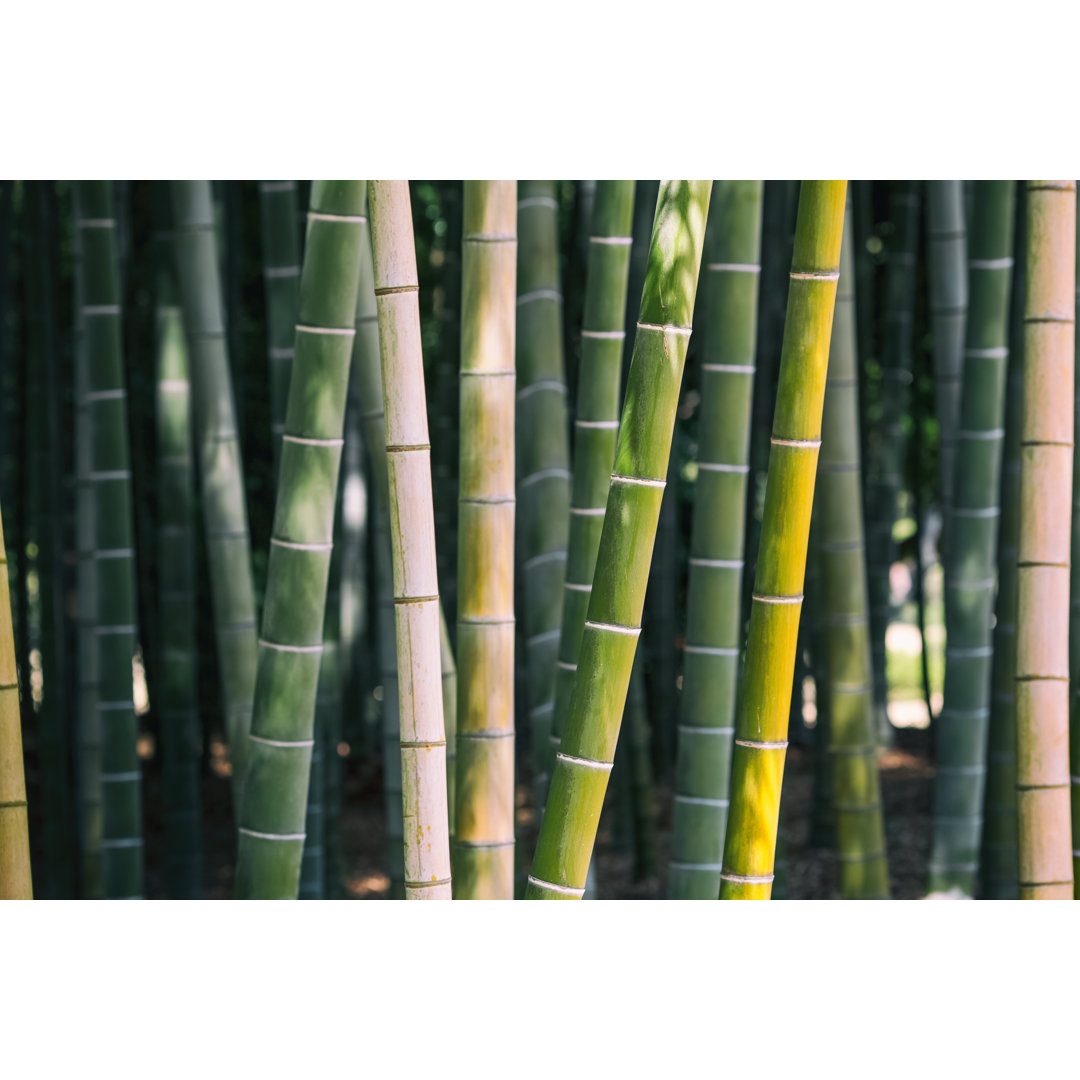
point(539, 539)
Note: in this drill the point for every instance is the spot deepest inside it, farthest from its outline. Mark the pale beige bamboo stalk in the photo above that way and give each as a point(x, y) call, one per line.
point(1046, 464)
point(412, 536)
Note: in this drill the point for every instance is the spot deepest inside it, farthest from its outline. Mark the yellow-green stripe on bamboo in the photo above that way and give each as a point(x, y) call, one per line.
point(612, 626)
point(484, 829)
point(412, 533)
point(1046, 465)
point(762, 720)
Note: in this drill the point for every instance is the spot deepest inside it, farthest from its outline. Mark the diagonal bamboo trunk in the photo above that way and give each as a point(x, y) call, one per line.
point(412, 519)
point(271, 836)
point(612, 625)
point(761, 723)
point(714, 591)
point(1046, 466)
point(963, 724)
point(484, 827)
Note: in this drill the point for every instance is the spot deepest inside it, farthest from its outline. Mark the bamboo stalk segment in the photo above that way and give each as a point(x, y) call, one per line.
point(271, 827)
point(1046, 480)
point(1074, 624)
point(963, 725)
point(612, 625)
point(714, 591)
point(762, 720)
point(484, 828)
point(412, 522)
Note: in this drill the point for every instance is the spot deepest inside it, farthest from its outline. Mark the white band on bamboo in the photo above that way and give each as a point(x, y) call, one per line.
point(300, 547)
point(992, 434)
point(735, 268)
point(335, 331)
point(120, 777)
point(114, 553)
point(114, 474)
point(699, 800)
point(589, 511)
point(645, 481)
point(734, 369)
point(289, 648)
point(357, 219)
point(169, 385)
point(100, 309)
point(271, 836)
point(104, 631)
point(564, 889)
point(752, 744)
point(720, 466)
point(113, 395)
point(278, 742)
point(666, 328)
point(691, 729)
point(604, 335)
point(811, 444)
point(990, 264)
point(301, 441)
point(281, 271)
point(281, 353)
point(548, 385)
point(704, 867)
point(740, 879)
point(574, 586)
point(710, 650)
point(814, 275)
point(122, 842)
point(618, 241)
point(588, 763)
point(538, 200)
point(542, 710)
point(547, 635)
point(539, 294)
point(546, 557)
point(545, 474)
point(96, 223)
point(565, 666)
point(761, 598)
point(720, 564)
point(978, 650)
point(615, 628)
point(999, 352)
point(603, 425)
point(987, 512)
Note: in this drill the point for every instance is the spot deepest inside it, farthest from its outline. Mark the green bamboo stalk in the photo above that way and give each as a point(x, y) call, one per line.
point(484, 830)
point(543, 456)
point(113, 549)
point(999, 842)
point(761, 723)
point(946, 238)
point(281, 277)
point(642, 791)
point(177, 699)
point(271, 836)
point(714, 591)
point(1074, 629)
point(963, 723)
point(856, 787)
point(15, 877)
point(221, 470)
point(412, 520)
point(612, 625)
point(885, 470)
point(1046, 484)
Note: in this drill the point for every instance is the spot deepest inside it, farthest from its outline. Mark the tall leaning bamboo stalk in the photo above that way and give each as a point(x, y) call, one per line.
point(841, 553)
point(1046, 467)
point(113, 548)
point(412, 523)
point(484, 829)
point(761, 723)
point(714, 592)
point(636, 487)
point(15, 883)
point(221, 468)
point(962, 726)
point(543, 457)
point(271, 835)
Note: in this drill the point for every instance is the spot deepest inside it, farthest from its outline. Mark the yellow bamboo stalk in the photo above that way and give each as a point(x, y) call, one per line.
point(1046, 464)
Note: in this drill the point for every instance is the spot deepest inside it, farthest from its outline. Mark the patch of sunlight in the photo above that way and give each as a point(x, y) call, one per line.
point(145, 746)
point(138, 678)
point(367, 884)
point(809, 700)
point(37, 678)
point(952, 894)
point(219, 757)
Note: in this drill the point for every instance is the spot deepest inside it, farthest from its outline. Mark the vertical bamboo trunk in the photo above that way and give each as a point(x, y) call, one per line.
point(963, 724)
point(859, 829)
point(484, 829)
point(113, 545)
point(15, 883)
point(999, 852)
point(947, 271)
point(761, 723)
point(449, 696)
point(281, 277)
point(178, 698)
point(412, 520)
point(1046, 466)
point(885, 474)
point(714, 592)
point(271, 836)
point(221, 470)
point(1074, 630)
point(613, 618)
point(543, 456)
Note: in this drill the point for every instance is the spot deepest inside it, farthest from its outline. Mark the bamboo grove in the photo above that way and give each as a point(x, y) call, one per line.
point(539, 539)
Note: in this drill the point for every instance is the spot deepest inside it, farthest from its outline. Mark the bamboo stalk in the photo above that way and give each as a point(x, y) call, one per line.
point(416, 578)
point(272, 813)
point(1074, 627)
point(221, 469)
point(1046, 467)
point(963, 723)
point(612, 626)
point(714, 592)
point(761, 723)
point(484, 829)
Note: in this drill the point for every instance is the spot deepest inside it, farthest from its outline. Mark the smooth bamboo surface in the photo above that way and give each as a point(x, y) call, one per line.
point(1046, 468)
point(412, 527)
point(1074, 626)
point(714, 591)
point(762, 719)
point(613, 621)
